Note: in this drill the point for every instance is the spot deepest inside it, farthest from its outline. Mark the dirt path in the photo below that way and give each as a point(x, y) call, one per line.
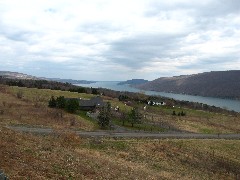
point(172, 135)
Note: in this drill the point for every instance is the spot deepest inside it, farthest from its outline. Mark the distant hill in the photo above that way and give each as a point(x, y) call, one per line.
point(16, 75)
point(133, 82)
point(71, 81)
point(223, 84)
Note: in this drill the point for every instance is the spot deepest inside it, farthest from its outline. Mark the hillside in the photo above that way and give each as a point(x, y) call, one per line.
point(21, 76)
point(71, 81)
point(65, 155)
point(133, 82)
point(16, 75)
point(223, 84)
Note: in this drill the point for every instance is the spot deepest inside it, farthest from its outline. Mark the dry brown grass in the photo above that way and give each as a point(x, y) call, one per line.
point(66, 156)
point(63, 155)
point(178, 159)
point(195, 120)
point(32, 110)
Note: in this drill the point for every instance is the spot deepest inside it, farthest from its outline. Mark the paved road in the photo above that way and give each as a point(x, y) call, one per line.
point(176, 135)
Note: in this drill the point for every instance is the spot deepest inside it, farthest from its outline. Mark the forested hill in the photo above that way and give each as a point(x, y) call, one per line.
point(16, 75)
point(133, 82)
point(223, 84)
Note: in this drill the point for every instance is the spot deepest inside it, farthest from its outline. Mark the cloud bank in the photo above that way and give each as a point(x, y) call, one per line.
point(119, 40)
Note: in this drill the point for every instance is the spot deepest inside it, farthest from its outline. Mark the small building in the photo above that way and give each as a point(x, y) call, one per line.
point(91, 104)
point(152, 103)
point(160, 103)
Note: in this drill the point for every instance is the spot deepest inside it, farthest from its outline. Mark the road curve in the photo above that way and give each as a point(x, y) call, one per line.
point(175, 135)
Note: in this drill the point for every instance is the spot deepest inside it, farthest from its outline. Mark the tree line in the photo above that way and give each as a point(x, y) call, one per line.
point(105, 115)
point(70, 105)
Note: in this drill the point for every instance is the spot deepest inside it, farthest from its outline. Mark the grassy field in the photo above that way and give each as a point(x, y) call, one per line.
point(157, 118)
point(31, 109)
point(67, 156)
point(195, 120)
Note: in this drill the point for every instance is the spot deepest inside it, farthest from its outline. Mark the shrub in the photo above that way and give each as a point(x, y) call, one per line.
point(72, 105)
point(60, 102)
point(19, 94)
point(52, 102)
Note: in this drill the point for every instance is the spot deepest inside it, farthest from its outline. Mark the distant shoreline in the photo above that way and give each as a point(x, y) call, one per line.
point(229, 104)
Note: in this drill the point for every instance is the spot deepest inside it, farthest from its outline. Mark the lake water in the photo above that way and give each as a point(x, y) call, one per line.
point(223, 103)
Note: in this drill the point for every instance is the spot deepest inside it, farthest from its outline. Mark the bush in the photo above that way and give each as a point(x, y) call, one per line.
point(94, 91)
point(72, 105)
point(52, 102)
point(60, 102)
point(19, 94)
point(135, 116)
point(104, 116)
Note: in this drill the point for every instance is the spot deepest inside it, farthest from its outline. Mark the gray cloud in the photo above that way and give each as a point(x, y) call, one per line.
point(111, 42)
point(220, 63)
point(207, 9)
point(137, 52)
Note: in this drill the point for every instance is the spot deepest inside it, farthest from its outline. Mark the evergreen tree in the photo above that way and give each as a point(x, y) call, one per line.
point(122, 97)
point(182, 113)
point(94, 91)
point(52, 102)
point(134, 116)
point(174, 113)
point(81, 90)
point(60, 102)
point(151, 103)
point(72, 105)
point(104, 116)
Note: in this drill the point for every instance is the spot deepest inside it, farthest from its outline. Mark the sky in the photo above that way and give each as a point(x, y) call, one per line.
point(114, 40)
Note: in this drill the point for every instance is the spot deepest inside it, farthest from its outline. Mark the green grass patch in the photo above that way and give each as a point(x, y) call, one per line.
point(43, 95)
point(121, 105)
point(58, 169)
point(83, 115)
point(107, 145)
point(207, 131)
point(189, 112)
point(139, 127)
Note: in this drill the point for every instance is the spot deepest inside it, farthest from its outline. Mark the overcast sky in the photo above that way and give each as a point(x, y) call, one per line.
point(119, 39)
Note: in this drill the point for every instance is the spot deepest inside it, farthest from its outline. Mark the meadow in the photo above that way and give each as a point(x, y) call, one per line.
point(64, 155)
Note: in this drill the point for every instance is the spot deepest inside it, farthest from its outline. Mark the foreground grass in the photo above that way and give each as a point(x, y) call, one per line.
point(66, 156)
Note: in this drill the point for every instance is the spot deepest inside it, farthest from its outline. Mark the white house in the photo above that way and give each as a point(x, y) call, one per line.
point(156, 103)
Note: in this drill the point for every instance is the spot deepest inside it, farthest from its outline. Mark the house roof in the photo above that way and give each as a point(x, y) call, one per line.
point(95, 101)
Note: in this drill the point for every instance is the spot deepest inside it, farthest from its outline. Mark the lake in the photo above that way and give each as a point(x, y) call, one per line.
point(218, 102)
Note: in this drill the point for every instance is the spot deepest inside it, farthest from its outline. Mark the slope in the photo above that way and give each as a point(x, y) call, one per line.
point(223, 84)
